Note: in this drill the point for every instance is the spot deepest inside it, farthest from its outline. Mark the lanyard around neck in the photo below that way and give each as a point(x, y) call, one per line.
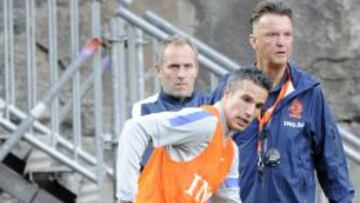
point(266, 117)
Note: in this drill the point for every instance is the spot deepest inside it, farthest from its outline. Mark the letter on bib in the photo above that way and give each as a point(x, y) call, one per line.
point(203, 192)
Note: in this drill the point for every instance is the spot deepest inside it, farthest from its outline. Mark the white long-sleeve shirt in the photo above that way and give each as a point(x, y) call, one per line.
point(184, 134)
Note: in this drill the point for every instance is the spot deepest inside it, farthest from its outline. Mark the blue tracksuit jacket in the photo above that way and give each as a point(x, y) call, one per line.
point(304, 131)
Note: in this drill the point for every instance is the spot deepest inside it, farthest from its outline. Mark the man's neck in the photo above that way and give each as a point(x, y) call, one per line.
point(175, 98)
point(275, 72)
point(220, 107)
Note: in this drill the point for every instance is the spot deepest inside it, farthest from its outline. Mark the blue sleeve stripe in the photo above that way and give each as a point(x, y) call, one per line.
point(185, 119)
point(231, 182)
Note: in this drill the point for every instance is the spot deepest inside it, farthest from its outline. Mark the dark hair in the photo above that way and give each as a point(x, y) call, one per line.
point(176, 40)
point(270, 6)
point(249, 73)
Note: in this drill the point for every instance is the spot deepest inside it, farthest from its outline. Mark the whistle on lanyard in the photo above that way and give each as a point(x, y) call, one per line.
point(272, 157)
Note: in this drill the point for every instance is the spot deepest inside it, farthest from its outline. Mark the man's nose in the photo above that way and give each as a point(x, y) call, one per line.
point(181, 72)
point(281, 40)
point(250, 110)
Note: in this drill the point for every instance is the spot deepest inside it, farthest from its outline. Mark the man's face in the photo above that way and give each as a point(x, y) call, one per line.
point(243, 104)
point(178, 71)
point(272, 39)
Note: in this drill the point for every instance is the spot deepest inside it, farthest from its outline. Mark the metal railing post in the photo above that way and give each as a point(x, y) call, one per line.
point(95, 30)
point(76, 95)
point(10, 97)
point(131, 55)
point(119, 52)
point(117, 39)
point(136, 63)
point(53, 58)
point(31, 53)
point(155, 49)
point(139, 63)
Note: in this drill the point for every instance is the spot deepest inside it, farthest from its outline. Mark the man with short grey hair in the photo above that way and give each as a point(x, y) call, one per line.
point(177, 68)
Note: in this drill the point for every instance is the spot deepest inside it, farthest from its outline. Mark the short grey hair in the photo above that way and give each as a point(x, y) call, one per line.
point(176, 40)
point(280, 7)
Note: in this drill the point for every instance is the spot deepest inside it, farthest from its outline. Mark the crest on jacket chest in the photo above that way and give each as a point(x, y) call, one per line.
point(296, 109)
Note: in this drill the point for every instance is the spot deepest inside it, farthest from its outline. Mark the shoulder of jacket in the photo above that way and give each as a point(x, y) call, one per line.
point(301, 78)
point(136, 109)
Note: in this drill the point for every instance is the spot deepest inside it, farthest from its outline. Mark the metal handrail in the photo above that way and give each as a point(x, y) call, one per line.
point(41, 106)
point(160, 35)
point(51, 151)
point(44, 129)
point(352, 154)
point(203, 48)
point(351, 138)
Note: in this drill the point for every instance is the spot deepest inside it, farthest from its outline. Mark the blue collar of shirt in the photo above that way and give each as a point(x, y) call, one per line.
point(174, 100)
point(276, 90)
point(282, 81)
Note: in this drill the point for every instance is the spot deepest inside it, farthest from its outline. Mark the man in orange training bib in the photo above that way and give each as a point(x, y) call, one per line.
point(194, 159)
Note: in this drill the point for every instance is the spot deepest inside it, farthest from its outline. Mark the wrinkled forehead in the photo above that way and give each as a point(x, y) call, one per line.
point(179, 53)
point(179, 47)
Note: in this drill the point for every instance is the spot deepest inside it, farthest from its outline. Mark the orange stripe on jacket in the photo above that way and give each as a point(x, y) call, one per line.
point(168, 181)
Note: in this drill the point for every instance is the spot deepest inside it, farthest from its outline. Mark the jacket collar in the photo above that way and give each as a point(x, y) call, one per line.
point(299, 78)
point(174, 100)
point(301, 82)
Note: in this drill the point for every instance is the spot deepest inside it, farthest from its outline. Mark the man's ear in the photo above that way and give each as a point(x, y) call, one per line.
point(157, 69)
point(197, 69)
point(252, 41)
point(226, 92)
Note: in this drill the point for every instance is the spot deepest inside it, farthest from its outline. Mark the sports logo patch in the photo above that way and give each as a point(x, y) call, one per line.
point(296, 109)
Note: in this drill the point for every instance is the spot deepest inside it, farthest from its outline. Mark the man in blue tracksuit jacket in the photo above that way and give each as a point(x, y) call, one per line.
point(177, 69)
point(165, 102)
point(298, 135)
point(305, 133)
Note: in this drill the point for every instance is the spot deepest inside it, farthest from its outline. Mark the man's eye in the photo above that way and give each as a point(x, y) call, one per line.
point(259, 106)
point(188, 66)
point(247, 99)
point(173, 66)
point(288, 34)
point(271, 34)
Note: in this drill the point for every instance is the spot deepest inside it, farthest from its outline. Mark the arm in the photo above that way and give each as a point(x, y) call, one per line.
point(330, 161)
point(166, 128)
point(229, 190)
